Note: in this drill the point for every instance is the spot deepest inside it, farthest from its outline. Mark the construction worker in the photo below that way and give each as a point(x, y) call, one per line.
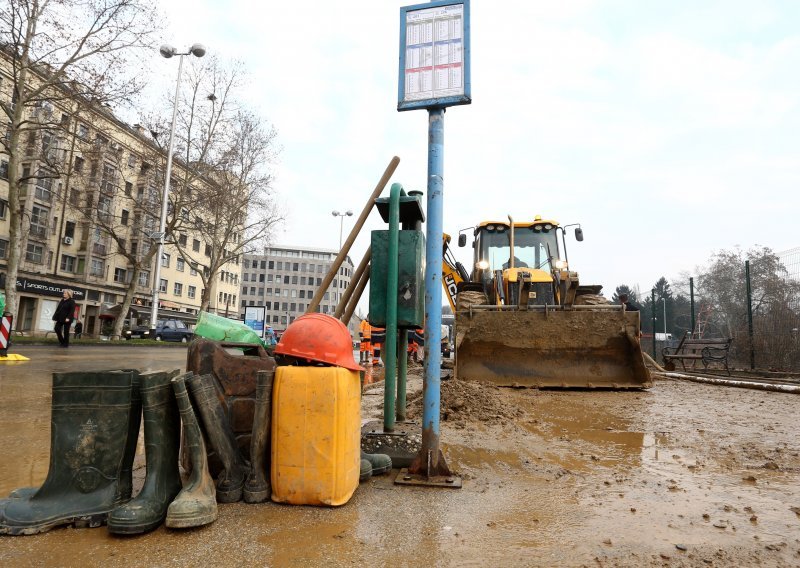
point(378, 339)
point(365, 347)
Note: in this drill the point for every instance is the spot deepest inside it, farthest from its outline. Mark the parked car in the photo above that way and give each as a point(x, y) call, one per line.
point(166, 330)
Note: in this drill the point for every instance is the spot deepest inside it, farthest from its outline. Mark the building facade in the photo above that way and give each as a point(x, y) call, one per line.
point(284, 280)
point(94, 189)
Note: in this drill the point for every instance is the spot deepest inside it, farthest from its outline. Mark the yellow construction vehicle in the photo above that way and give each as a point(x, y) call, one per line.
point(523, 319)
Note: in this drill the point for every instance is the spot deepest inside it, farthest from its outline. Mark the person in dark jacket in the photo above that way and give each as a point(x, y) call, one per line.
point(63, 316)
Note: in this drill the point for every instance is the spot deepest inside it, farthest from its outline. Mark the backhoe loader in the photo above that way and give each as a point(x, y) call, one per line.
point(523, 319)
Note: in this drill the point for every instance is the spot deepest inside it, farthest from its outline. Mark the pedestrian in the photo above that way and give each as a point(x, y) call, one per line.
point(78, 329)
point(63, 316)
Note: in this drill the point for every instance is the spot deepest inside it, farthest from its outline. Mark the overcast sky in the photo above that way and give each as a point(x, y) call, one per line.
point(668, 130)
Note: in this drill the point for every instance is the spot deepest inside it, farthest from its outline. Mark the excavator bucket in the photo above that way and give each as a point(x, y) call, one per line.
point(581, 347)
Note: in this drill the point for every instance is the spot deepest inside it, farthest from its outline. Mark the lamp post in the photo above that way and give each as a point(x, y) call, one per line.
point(347, 213)
point(167, 51)
point(664, 301)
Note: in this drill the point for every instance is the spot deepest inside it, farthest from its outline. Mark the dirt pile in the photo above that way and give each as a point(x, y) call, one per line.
point(464, 402)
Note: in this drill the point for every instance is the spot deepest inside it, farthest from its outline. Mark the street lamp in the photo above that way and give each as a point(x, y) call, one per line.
point(664, 301)
point(347, 213)
point(167, 51)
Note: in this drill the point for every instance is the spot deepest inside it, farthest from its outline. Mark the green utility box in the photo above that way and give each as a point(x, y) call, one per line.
point(410, 276)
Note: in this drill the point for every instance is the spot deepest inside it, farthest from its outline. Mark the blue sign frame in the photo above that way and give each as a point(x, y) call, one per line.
point(440, 54)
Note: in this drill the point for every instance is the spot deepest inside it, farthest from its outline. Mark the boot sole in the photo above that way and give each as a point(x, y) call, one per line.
point(189, 521)
point(251, 496)
point(115, 528)
point(78, 521)
point(381, 470)
point(229, 496)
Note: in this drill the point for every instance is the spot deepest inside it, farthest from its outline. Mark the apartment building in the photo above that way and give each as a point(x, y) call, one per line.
point(93, 178)
point(285, 278)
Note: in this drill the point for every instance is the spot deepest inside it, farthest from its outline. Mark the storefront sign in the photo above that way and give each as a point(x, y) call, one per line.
point(48, 288)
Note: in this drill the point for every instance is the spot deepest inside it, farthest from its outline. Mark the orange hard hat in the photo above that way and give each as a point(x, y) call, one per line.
point(318, 337)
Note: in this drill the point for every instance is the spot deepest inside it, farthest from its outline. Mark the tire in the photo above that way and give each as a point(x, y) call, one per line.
point(184, 339)
point(158, 338)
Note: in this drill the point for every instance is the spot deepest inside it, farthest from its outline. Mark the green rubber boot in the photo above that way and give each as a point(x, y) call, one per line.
point(217, 428)
point(90, 419)
point(366, 470)
point(148, 509)
point(381, 463)
point(196, 504)
point(257, 487)
point(125, 487)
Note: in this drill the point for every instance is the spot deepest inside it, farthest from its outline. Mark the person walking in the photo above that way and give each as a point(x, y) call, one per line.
point(78, 329)
point(63, 316)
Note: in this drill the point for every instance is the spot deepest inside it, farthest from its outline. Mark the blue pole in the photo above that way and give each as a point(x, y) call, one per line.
point(433, 288)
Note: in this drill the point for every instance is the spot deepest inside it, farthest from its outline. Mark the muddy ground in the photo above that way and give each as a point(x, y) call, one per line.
point(684, 474)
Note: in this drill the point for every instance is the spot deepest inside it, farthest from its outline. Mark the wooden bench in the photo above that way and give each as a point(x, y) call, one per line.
point(706, 351)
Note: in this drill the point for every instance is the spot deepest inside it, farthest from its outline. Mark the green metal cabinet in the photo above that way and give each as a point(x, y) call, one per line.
point(411, 279)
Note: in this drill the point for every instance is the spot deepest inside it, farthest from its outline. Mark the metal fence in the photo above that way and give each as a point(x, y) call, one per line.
point(771, 339)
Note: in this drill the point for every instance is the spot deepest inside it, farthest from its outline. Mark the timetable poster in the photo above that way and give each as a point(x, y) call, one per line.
point(434, 65)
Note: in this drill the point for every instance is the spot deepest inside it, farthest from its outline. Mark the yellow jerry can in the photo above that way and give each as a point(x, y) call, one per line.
point(316, 435)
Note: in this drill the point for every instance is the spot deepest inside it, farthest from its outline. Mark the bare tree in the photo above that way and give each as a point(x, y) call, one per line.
point(223, 194)
point(64, 55)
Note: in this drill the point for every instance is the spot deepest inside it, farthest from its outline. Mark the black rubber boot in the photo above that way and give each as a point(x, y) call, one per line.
point(257, 488)
point(196, 504)
point(148, 509)
point(217, 428)
point(125, 488)
point(90, 419)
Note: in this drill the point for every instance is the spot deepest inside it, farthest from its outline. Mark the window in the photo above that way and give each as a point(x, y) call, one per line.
point(3, 208)
point(191, 291)
point(162, 285)
point(261, 291)
point(208, 250)
point(3, 248)
point(269, 291)
point(180, 264)
point(193, 269)
point(292, 307)
point(269, 277)
point(295, 267)
point(96, 267)
point(252, 291)
point(195, 245)
point(286, 279)
point(177, 289)
point(271, 265)
point(182, 240)
point(280, 265)
point(131, 161)
point(261, 278)
point(39, 216)
point(285, 293)
point(285, 306)
point(246, 277)
point(144, 278)
point(294, 293)
point(124, 217)
point(302, 293)
point(165, 260)
point(128, 188)
point(83, 131)
point(264, 265)
point(3, 169)
point(120, 275)
point(78, 164)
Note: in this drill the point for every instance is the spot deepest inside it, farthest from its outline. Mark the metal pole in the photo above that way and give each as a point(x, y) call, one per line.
point(691, 304)
point(750, 313)
point(430, 461)
point(653, 313)
point(348, 292)
point(164, 201)
point(390, 345)
point(402, 372)
point(664, 301)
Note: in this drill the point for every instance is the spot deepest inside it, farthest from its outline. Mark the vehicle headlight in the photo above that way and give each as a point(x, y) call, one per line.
point(482, 265)
point(561, 264)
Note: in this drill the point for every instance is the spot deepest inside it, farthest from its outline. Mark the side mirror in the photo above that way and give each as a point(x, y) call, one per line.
point(578, 234)
point(462, 240)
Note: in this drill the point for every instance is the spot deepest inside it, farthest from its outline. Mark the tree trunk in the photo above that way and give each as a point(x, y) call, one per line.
point(126, 303)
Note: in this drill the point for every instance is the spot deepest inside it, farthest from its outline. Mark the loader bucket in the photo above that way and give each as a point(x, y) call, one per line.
point(574, 348)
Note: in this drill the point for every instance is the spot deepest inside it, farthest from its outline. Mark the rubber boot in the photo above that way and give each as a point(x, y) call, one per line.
point(148, 509)
point(381, 463)
point(257, 488)
point(196, 504)
point(88, 444)
point(125, 487)
point(220, 437)
point(366, 470)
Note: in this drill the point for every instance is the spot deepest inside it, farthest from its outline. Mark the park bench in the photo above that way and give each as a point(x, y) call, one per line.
point(706, 351)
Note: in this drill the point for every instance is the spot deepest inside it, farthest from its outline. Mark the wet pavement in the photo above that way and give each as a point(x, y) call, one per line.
point(681, 475)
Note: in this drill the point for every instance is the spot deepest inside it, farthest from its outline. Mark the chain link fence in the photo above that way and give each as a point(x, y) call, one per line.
point(771, 339)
